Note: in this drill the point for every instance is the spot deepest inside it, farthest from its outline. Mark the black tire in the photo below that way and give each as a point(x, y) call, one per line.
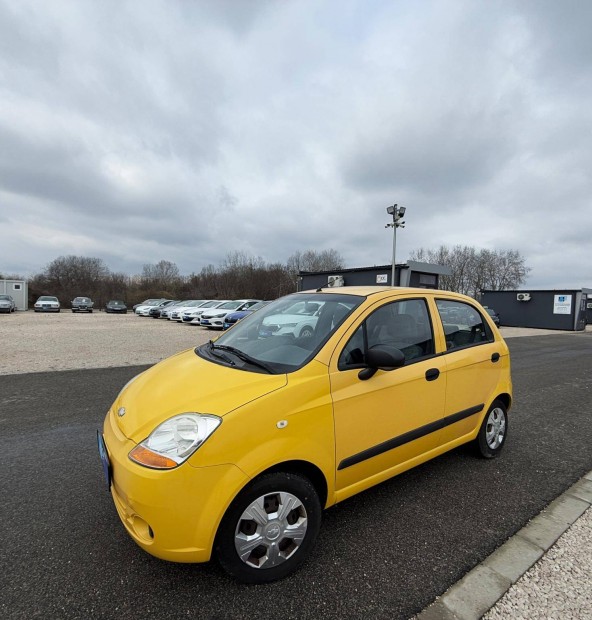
point(304, 518)
point(493, 432)
point(73, 311)
point(306, 332)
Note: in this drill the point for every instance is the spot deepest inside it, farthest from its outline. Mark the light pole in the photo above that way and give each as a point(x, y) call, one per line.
point(397, 213)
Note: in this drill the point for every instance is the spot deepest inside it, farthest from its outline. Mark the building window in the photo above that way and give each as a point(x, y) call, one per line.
point(427, 279)
point(16, 287)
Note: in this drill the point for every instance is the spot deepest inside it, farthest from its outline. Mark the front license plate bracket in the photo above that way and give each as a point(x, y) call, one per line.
point(104, 456)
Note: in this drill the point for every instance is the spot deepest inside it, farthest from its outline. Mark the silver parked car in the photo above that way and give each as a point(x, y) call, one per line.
point(47, 303)
point(7, 304)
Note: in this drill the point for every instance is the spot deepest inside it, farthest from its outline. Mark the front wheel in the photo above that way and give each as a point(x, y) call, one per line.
point(269, 529)
point(493, 432)
point(306, 332)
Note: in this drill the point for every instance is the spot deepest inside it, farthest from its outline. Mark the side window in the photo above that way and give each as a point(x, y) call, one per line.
point(463, 324)
point(404, 325)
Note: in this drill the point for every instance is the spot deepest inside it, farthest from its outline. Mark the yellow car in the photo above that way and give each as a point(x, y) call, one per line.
point(234, 449)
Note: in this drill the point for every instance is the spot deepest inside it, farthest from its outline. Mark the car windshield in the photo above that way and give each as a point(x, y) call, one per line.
point(116, 303)
point(258, 306)
point(284, 335)
point(5, 297)
point(47, 298)
point(231, 305)
point(82, 300)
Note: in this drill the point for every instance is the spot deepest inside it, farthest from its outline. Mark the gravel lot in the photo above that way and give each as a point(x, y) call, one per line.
point(558, 586)
point(39, 342)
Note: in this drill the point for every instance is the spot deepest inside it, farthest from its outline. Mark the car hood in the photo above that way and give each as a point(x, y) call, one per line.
point(187, 383)
point(216, 314)
point(238, 315)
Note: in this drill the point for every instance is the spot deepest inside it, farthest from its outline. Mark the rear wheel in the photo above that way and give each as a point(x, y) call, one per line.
point(493, 432)
point(269, 529)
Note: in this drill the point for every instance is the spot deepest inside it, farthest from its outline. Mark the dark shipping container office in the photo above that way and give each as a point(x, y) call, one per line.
point(557, 309)
point(412, 273)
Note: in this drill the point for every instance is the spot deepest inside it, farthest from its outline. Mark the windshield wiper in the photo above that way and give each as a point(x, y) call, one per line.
point(212, 346)
point(241, 355)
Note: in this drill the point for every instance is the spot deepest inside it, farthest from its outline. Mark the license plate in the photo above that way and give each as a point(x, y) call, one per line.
point(104, 459)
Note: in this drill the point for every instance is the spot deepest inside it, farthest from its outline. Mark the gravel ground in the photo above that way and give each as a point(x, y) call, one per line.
point(39, 342)
point(558, 586)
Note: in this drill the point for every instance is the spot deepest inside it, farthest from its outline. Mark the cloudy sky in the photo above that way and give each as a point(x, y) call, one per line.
point(185, 130)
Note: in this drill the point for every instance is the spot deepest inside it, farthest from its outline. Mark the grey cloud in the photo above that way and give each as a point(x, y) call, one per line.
point(187, 130)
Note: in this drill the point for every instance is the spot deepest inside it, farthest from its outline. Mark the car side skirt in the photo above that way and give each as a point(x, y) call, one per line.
point(367, 483)
point(417, 433)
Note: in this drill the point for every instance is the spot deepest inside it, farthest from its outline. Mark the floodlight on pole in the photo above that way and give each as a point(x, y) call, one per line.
point(397, 213)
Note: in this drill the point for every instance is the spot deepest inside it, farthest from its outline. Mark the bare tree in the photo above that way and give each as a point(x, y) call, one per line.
point(474, 270)
point(68, 276)
point(163, 276)
point(312, 260)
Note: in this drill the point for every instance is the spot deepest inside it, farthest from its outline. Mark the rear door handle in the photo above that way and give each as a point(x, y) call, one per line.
point(432, 374)
point(495, 357)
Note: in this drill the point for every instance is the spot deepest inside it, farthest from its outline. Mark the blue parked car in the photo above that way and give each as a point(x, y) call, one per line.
point(234, 317)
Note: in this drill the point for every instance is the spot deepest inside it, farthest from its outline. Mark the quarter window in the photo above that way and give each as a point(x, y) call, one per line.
point(463, 324)
point(404, 325)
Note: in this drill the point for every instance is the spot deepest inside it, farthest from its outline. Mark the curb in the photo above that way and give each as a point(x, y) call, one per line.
point(480, 589)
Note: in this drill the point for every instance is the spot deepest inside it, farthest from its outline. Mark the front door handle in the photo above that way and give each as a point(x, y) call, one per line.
point(495, 357)
point(432, 374)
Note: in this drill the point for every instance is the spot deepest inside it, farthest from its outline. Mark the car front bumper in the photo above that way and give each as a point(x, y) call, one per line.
point(213, 322)
point(172, 514)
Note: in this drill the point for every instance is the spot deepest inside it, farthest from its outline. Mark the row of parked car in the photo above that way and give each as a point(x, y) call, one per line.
point(210, 313)
point(297, 320)
point(50, 303)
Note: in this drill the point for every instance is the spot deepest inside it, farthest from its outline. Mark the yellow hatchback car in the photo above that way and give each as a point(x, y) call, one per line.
point(234, 448)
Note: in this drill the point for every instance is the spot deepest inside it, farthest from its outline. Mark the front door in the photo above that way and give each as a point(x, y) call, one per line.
point(390, 419)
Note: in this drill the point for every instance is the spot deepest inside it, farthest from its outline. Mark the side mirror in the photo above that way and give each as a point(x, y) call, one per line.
point(381, 357)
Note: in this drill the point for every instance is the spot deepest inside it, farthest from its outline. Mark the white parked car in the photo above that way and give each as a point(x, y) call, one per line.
point(176, 312)
point(145, 309)
point(7, 304)
point(214, 318)
point(47, 303)
point(299, 320)
point(193, 315)
point(148, 303)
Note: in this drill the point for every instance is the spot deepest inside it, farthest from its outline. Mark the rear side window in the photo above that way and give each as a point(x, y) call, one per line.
point(463, 324)
point(404, 325)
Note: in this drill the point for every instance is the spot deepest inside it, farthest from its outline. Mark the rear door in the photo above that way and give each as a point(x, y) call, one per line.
point(473, 365)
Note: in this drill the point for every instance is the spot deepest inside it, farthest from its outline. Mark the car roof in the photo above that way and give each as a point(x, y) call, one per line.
point(383, 291)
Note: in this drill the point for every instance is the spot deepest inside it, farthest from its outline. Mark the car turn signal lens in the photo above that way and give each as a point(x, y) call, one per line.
point(147, 458)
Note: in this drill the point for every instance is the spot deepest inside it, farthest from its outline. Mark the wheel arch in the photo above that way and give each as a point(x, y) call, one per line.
point(306, 469)
point(506, 399)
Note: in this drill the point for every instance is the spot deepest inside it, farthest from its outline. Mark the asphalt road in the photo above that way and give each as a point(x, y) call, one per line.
point(385, 553)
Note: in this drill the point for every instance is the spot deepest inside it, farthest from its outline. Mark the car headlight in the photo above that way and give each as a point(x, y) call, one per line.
point(174, 441)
